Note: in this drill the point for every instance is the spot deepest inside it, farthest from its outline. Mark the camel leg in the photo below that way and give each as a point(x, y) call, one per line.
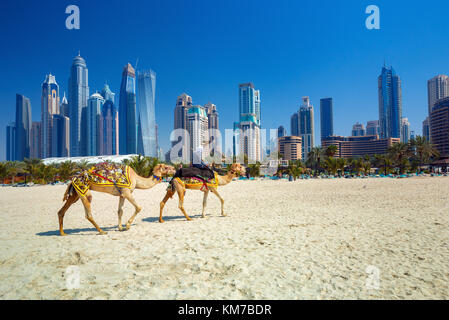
point(71, 200)
point(86, 200)
point(120, 212)
point(214, 191)
point(168, 195)
point(128, 195)
point(181, 193)
point(206, 193)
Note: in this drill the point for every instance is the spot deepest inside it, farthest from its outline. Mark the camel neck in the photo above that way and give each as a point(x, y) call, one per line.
point(146, 183)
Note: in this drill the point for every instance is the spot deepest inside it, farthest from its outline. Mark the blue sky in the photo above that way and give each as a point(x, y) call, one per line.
point(288, 49)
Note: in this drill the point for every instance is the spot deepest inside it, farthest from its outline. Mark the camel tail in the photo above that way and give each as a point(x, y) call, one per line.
point(68, 193)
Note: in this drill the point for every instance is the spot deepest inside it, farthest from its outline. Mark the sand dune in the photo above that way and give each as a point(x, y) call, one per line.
point(309, 239)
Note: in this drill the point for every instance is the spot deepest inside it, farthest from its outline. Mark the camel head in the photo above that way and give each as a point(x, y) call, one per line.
point(162, 170)
point(237, 169)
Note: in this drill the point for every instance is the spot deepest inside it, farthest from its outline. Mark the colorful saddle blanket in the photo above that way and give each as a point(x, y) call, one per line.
point(102, 174)
point(196, 182)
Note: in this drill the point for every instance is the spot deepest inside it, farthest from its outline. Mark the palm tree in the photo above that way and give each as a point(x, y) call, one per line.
point(254, 169)
point(314, 158)
point(341, 164)
point(383, 161)
point(331, 165)
point(331, 151)
point(66, 170)
point(398, 152)
point(31, 166)
point(14, 168)
point(423, 150)
point(4, 171)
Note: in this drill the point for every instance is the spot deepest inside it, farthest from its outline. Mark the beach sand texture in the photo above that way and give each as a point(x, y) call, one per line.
point(309, 239)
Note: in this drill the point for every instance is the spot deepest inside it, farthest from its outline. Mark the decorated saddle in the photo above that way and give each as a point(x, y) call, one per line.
point(102, 174)
point(194, 181)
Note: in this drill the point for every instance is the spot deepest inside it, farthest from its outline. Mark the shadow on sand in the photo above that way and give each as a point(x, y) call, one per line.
point(168, 218)
point(75, 231)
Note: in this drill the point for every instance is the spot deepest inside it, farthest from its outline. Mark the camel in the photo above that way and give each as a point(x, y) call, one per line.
point(236, 169)
point(137, 182)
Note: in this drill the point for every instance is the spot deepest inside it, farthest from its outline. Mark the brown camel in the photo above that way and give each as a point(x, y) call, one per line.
point(137, 182)
point(236, 169)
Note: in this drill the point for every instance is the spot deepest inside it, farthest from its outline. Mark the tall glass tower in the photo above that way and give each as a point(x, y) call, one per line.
point(249, 101)
point(78, 96)
point(109, 124)
point(390, 103)
point(127, 112)
point(49, 108)
point(326, 118)
point(23, 127)
point(146, 134)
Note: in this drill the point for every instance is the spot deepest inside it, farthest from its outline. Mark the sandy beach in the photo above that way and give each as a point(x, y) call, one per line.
point(309, 239)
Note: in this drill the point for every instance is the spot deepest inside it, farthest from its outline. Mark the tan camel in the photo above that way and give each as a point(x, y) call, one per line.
point(137, 182)
point(236, 169)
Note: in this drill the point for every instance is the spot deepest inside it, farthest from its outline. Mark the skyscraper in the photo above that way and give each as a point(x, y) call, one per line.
point(22, 128)
point(212, 120)
point(281, 132)
point(358, 130)
point(11, 142)
point(78, 96)
point(64, 107)
point(92, 125)
point(372, 128)
point(249, 122)
point(426, 128)
point(437, 88)
point(146, 135)
point(35, 140)
point(306, 127)
point(294, 123)
point(249, 101)
point(49, 108)
point(109, 135)
point(326, 117)
point(128, 112)
point(61, 136)
point(183, 103)
point(390, 103)
point(405, 135)
point(198, 130)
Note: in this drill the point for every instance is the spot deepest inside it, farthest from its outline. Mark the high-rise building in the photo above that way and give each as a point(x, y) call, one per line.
point(426, 128)
point(390, 103)
point(127, 112)
point(23, 128)
point(109, 135)
point(294, 123)
point(183, 103)
point(306, 127)
point(49, 108)
point(290, 148)
point(372, 128)
point(405, 135)
point(212, 119)
point(249, 122)
point(64, 107)
point(326, 117)
point(11, 142)
point(78, 96)
point(439, 126)
point(92, 125)
point(249, 138)
point(146, 134)
point(197, 124)
point(36, 140)
point(437, 88)
point(61, 136)
point(249, 101)
point(358, 130)
point(281, 132)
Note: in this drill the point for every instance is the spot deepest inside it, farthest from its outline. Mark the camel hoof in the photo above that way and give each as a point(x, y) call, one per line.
point(63, 234)
point(161, 221)
point(223, 214)
point(128, 226)
point(102, 233)
point(189, 219)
